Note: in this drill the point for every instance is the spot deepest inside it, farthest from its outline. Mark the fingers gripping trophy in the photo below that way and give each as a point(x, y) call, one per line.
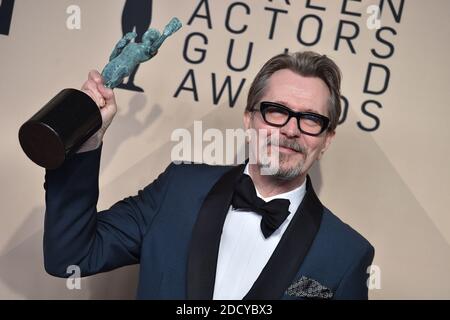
point(75, 120)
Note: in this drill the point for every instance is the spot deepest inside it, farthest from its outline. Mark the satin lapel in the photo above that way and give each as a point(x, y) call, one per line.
point(204, 246)
point(288, 256)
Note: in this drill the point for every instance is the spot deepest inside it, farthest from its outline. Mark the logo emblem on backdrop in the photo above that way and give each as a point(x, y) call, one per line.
point(6, 11)
point(136, 16)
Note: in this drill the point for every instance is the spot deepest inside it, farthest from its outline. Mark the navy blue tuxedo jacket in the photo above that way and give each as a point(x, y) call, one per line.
point(172, 228)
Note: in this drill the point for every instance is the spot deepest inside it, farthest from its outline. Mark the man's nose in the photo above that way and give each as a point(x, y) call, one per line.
point(290, 129)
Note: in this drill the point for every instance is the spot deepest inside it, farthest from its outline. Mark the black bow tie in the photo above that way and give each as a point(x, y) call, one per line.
point(273, 212)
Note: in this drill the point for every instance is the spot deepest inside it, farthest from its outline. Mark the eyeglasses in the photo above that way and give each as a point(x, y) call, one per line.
point(278, 115)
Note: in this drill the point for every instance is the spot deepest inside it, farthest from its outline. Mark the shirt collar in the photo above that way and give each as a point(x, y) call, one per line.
point(294, 196)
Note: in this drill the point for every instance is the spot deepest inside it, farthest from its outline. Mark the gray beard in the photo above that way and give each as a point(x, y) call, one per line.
point(286, 173)
point(292, 172)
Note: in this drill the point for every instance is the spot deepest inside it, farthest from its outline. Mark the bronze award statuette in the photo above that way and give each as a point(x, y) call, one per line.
point(69, 119)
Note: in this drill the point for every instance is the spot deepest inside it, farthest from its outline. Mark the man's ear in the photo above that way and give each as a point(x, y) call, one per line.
point(247, 119)
point(329, 137)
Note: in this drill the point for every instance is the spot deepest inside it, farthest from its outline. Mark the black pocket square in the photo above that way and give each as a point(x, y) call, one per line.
point(309, 288)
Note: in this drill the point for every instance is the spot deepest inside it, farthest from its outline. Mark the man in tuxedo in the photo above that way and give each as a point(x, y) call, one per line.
point(220, 232)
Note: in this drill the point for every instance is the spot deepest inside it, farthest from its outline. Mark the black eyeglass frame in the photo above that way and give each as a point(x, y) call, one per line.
point(264, 105)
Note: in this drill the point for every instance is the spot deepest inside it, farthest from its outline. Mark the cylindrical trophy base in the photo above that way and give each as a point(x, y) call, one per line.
point(60, 128)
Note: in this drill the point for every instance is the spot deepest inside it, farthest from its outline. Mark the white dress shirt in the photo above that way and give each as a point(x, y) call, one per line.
point(244, 251)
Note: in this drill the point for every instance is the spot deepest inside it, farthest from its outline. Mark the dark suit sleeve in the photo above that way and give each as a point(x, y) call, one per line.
point(76, 234)
point(353, 285)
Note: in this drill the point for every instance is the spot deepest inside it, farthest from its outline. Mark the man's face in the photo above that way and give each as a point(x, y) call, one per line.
point(297, 151)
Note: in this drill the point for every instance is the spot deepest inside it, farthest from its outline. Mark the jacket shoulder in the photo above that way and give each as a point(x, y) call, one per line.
point(198, 170)
point(343, 234)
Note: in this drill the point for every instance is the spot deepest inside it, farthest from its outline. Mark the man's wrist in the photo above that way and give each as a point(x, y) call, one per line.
point(93, 143)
